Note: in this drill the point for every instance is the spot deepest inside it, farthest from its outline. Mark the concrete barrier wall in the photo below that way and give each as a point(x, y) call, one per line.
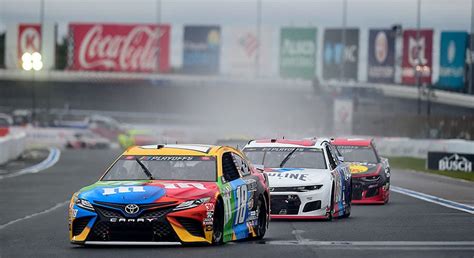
point(11, 146)
point(418, 148)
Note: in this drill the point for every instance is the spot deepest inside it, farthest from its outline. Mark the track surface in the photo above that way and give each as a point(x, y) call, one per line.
point(393, 230)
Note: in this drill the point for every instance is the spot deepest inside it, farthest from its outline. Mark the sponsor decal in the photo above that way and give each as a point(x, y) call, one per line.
point(29, 39)
point(208, 227)
point(355, 168)
point(298, 53)
point(227, 198)
point(446, 161)
point(284, 174)
point(340, 57)
point(185, 186)
point(201, 49)
point(169, 158)
point(119, 47)
point(122, 190)
point(209, 206)
point(417, 52)
point(452, 60)
point(381, 56)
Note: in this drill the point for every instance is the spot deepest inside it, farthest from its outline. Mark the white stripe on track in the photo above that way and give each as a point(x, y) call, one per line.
point(433, 199)
point(53, 158)
point(55, 207)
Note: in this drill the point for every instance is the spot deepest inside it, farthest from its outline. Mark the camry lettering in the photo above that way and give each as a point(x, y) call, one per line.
point(123, 189)
point(120, 220)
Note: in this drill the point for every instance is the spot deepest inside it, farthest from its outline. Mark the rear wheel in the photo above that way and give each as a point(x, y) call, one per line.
point(262, 219)
point(218, 224)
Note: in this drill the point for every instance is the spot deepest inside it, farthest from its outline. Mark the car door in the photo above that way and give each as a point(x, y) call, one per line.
point(235, 196)
point(345, 174)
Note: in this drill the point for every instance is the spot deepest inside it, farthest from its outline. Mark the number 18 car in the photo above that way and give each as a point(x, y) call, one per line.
point(173, 193)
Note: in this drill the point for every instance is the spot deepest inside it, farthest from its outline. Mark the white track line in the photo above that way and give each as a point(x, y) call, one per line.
point(55, 207)
point(433, 199)
point(53, 158)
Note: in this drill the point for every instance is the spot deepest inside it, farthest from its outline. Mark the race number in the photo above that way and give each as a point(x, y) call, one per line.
point(241, 196)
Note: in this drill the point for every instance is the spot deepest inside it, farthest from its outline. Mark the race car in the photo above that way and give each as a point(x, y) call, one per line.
point(307, 179)
point(172, 193)
point(370, 172)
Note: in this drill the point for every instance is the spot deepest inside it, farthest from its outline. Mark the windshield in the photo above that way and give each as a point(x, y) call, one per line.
point(194, 168)
point(358, 154)
point(287, 157)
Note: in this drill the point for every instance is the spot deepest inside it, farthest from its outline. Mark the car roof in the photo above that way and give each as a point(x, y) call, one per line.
point(174, 149)
point(281, 142)
point(363, 142)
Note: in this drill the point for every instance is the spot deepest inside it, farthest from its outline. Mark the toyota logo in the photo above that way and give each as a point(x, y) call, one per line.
point(132, 209)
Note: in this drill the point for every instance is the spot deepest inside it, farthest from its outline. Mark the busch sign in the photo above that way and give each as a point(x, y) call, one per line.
point(119, 47)
point(450, 161)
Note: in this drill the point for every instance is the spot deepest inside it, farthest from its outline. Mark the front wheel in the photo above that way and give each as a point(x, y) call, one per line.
point(218, 225)
point(331, 206)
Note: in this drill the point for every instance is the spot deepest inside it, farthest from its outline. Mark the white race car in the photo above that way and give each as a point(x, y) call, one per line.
point(308, 180)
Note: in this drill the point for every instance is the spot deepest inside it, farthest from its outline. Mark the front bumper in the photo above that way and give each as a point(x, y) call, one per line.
point(109, 224)
point(300, 205)
point(370, 192)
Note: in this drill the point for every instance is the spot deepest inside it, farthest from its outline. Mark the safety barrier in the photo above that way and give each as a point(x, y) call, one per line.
point(11, 146)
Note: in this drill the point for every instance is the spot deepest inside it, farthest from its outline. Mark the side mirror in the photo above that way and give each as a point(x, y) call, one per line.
point(340, 158)
point(259, 167)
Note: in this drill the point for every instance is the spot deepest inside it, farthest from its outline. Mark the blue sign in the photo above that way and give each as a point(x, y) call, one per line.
point(381, 52)
point(201, 49)
point(341, 54)
point(452, 60)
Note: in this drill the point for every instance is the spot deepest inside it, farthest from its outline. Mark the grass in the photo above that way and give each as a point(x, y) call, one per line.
point(419, 165)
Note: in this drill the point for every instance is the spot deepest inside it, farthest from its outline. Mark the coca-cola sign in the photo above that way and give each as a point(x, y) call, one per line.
point(119, 47)
point(29, 39)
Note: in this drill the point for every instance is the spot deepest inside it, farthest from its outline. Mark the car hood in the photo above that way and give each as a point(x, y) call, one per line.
point(363, 169)
point(283, 177)
point(147, 191)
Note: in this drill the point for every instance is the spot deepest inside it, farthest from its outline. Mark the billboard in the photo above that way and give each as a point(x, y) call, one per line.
point(23, 38)
point(381, 52)
point(452, 60)
point(414, 52)
point(119, 47)
point(298, 53)
point(201, 49)
point(341, 56)
point(29, 39)
point(240, 49)
point(449, 161)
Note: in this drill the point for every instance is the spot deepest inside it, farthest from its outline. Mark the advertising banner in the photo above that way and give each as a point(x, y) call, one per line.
point(447, 161)
point(119, 47)
point(240, 49)
point(381, 65)
point(417, 52)
point(201, 49)
point(452, 60)
point(28, 38)
point(341, 54)
point(298, 53)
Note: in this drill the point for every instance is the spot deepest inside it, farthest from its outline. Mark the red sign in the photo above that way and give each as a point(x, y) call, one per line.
point(29, 39)
point(119, 47)
point(417, 56)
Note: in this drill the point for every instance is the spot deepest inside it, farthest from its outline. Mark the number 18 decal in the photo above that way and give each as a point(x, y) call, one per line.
point(241, 195)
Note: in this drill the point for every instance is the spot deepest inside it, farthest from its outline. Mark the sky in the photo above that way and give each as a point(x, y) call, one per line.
point(438, 14)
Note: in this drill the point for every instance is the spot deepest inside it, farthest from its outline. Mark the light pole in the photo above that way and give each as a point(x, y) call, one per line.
point(32, 62)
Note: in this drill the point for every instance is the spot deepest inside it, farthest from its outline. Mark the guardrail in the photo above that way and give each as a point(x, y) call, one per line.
point(11, 146)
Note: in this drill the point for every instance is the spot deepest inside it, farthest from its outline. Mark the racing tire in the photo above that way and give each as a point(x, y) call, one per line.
point(262, 219)
point(331, 206)
point(218, 225)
